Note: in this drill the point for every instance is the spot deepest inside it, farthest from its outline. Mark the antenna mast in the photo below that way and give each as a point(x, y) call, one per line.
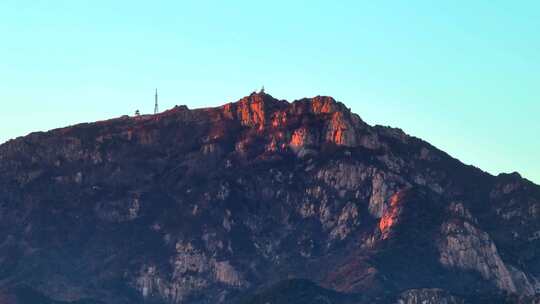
point(156, 108)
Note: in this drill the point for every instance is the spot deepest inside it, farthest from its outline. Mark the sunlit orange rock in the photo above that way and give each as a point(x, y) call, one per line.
point(298, 138)
point(228, 111)
point(391, 216)
point(340, 131)
point(251, 111)
point(279, 119)
point(323, 104)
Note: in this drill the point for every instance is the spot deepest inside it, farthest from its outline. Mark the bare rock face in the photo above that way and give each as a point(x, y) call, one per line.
point(340, 131)
point(391, 216)
point(208, 205)
point(427, 296)
point(192, 272)
point(304, 142)
point(468, 248)
point(383, 187)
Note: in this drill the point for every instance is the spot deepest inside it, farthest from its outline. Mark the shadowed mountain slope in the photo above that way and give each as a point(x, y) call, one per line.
point(210, 205)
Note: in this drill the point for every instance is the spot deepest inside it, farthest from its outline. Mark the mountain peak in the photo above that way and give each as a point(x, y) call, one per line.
point(305, 122)
point(316, 105)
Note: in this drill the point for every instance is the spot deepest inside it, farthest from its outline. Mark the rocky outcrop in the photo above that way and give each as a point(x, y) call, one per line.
point(193, 271)
point(427, 296)
point(304, 142)
point(391, 216)
point(466, 247)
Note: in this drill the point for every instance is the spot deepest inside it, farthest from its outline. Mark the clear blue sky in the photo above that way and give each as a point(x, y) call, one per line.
point(464, 75)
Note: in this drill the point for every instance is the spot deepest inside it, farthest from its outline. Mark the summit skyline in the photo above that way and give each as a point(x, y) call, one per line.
point(461, 75)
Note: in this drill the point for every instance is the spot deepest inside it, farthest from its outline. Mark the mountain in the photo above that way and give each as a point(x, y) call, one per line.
point(258, 200)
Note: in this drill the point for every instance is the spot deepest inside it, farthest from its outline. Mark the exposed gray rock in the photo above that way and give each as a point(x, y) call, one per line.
point(193, 271)
point(347, 221)
point(383, 187)
point(427, 296)
point(345, 176)
point(466, 247)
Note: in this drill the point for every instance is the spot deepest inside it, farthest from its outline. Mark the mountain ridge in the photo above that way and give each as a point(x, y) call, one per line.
point(268, 98)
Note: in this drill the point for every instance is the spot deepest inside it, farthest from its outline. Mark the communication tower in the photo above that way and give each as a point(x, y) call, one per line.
point(156, 108)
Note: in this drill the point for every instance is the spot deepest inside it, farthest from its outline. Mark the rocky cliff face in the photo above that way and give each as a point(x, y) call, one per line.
point(208, 205)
